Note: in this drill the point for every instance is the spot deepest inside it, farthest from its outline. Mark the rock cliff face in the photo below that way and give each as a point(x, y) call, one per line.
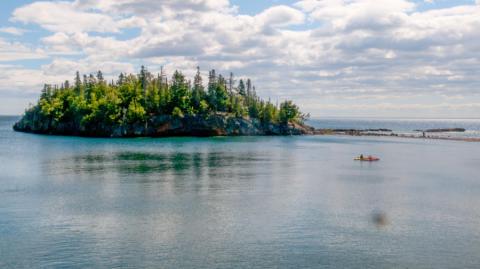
point(159, 126)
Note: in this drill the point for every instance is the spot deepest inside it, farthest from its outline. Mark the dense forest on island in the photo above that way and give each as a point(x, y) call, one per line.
point(153, 105)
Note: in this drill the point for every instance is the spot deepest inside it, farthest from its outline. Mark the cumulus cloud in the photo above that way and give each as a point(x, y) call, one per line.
point(18, 82)
point(352, 15)
point(63, 66)
point(280, 16)
point(12, 30)
point(62, 16)
point(20, 86)
point(14, 51)
point(143, 7)
point(312, 50)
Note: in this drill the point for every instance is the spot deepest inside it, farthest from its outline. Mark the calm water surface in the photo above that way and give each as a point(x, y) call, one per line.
point(262, 202)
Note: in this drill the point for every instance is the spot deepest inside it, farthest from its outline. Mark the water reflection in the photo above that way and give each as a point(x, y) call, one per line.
point(148, 163)
point(170, 170)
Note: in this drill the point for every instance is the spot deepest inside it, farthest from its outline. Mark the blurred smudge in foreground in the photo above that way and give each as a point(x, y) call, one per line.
point(380, 219)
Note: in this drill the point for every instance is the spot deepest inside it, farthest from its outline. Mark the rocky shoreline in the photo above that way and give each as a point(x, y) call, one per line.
point(164, 126)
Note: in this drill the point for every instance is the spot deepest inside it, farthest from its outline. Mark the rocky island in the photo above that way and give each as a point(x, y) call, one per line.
point(150, 105)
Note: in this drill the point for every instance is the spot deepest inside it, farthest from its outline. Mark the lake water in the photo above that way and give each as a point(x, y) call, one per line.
point(263, 202)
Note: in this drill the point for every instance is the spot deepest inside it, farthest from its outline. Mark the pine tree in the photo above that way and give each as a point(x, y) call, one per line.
point(231, 81)
point(143, 80)
point(180, 92)
point(241, 88)
point(198, 91)
point(212, 87)
point(221, 95)
point(121, 79)
point(100, 76)
point(46, 92)
point(78, 83)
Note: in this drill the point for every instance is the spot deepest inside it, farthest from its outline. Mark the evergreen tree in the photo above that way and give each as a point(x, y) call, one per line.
point(121, 79)
point(180, 93)
point(198, 91)
point(78, 83)
point(212, 89)
point(241, 88)
point(221, 95)
point(144, 79)
point(249, 88)
point(231, 81)
point(100, 76)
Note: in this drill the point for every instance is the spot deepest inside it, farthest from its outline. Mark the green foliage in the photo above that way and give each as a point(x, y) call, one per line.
point(268, 113)
point(177, 112)
point(133, 99)
point(203, 107)
point(289, 112)
point(221, 98)
point(237, 107)
point(180, 92)
point(198, 91)
point(135, 112)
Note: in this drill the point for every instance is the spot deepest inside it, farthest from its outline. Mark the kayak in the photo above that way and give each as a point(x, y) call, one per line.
point(371, 159)
point(367, 159)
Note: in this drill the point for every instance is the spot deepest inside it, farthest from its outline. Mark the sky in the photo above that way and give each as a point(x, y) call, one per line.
point(334, 58)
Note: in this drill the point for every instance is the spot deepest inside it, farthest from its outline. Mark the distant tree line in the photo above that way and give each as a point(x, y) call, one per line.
point(91, 100)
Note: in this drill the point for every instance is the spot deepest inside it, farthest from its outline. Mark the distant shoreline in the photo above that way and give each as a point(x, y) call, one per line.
point(360, 133)
point(386, 118)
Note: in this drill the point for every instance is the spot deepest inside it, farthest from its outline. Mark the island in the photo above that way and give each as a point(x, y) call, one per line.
point(144, 104)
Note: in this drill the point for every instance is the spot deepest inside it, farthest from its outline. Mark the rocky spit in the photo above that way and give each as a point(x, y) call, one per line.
point(421, 134)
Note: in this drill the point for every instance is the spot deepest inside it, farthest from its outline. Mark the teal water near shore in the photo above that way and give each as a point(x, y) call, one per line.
point(237, 202)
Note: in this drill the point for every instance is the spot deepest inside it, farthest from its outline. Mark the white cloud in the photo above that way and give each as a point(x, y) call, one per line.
point(26, 80)
point(147, 7)
point(355, 49)
point(29, 81)
point(14, 51)
point(352, 15)
point(12, 30)
point(86, 66)
point(280, 16)
point(63, 17)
